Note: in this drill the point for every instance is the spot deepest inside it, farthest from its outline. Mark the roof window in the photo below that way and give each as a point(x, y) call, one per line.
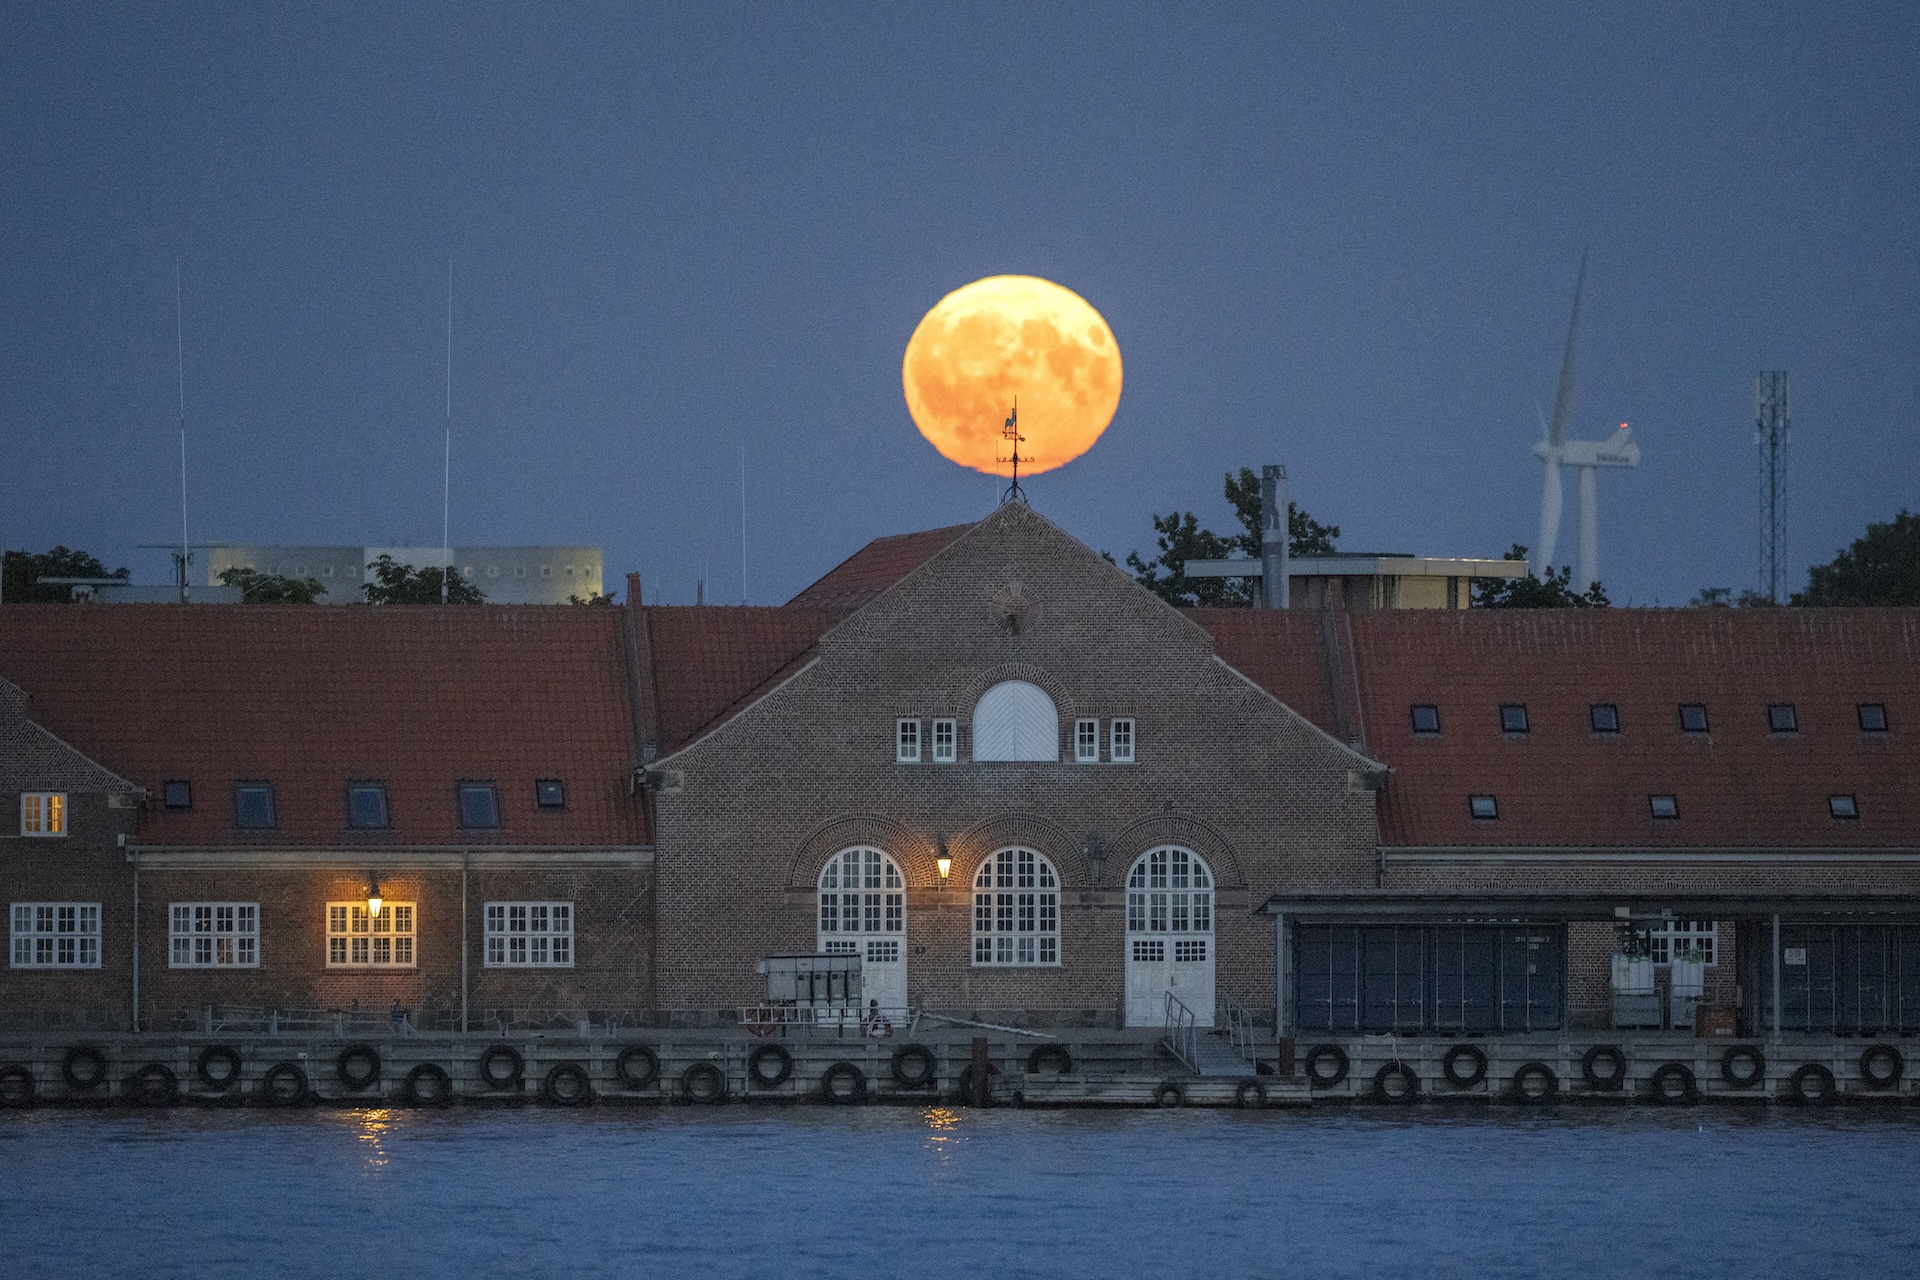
point(177, 794)
point(1663, 806)
point(253, 808)
point(1873, 717)
point(479, 805)
point(1843, 807)
point(1483, 807)
point(1693, 717)
point(367, 804)
point(1604, 717)
point(1513, 717)
point(1781, 718)
point(550, 793)
point(1425, 717)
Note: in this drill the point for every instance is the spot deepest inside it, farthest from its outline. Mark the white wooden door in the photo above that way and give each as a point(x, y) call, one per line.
point(1169, 936)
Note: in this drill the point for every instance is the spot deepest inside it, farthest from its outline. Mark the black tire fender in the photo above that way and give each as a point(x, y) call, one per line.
point(208, 1067)
point(638, 1066)
point(1250, 1093)
point(963, 1090)
point(16, 1085)
point(1450, 1063)
point(1604, 1081)
point(1881, 1066)
point(1547, 1086)
point(757, 1072)
point(1824, 1088)
point(427, 1085)
point(357, 1066)
point(702, 1082)
point(568, 1085)
point(154, 1085)
point(284, 1085)
point(1396, 1069)
point(1730, 1066)
point(920, 1073)
point(502, 1067)
point(1054, 1053)
point(1328, 1053)
point(856, 1088)
point(84, 1067)
point(1672, 1084)
point(1170, 1095)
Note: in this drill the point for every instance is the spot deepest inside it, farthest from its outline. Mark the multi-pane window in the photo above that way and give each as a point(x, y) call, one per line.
point(946, 741)
point(358, 939)
point(1873, 717)
point(479, 805)
point(529, 935)
point(213, 935)
point(1513, 717)
point(1170, 891)
point(861, 891)
point(1016, 910)
point(1086, 741)
point(1693, 717)
point(1121, 738)
point(1681, 940)
point(1425, 717)
point(367, 804)
point(1604, 717)
point(253, 808)
point(1781, 718)
point(56, 935)
point(907, 742)
point(43, 813)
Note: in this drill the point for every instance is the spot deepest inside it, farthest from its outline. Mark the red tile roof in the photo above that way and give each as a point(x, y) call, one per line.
point(710, 661)
point(873, 568)
point(1279, 650)
point(311, 697)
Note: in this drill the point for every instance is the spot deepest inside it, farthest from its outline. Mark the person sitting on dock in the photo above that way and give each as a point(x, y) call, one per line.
point(874, 1023)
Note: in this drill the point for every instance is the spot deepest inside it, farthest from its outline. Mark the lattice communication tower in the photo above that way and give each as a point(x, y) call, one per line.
point(1772, 427)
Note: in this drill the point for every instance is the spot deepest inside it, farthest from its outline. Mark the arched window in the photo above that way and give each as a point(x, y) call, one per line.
point(1170, 891)
point(1015, 720)
point(1016, 910)
point(861, 896)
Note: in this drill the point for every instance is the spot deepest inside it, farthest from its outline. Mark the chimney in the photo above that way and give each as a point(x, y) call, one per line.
point(1273, 537)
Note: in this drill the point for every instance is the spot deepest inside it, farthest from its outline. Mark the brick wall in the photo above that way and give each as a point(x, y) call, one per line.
point(87, 865)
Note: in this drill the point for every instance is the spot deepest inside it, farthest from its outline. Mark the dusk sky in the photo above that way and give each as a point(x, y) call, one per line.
point(1340, 238)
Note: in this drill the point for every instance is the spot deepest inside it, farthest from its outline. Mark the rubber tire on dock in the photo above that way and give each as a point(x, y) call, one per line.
point(16, 1085)
point(1896, 1066)
point(1825, 1089)
point(1610, 1082)
point(1451, 1059)
point(923, 1070)
point(1731, 1073)
point(783, 1066)
point(225, 1055)
point(568, 1085)
point(284, 1085)
point(963, 1091)
point(153, 1085)
point(1672, 1085)
point(1170, 1095)
point(1250, 1093)
point(1395, 1070)
point(1054, 1053)
point(357, 1077)
point(416, 1092)
point(649, 1069)
point(1546, 1090)
point(493, 1058)
point(702, 1082)
point(856, 1089)
point(94, 1073)
point(1326, 1052)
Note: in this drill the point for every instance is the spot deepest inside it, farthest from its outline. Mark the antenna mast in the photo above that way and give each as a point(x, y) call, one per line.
point(743, 522)
point(180, 370)
point(1772, 427)
point(446, 457)
point(1011, 431)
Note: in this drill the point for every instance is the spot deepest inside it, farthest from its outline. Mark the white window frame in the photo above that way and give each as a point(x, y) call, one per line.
point(43, 814)
point(40, 928)
point(1086, 742)
point(350, 922)
point(1016, 911)
point(1170, 891)
point(1122, 740)
point(861, 894)
point(528, 935)
point(946, 741)
point(906, 740)
point(1668, 936)
point(213, 935)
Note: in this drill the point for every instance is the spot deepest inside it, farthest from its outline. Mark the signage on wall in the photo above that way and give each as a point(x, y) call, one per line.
point(1793, 955)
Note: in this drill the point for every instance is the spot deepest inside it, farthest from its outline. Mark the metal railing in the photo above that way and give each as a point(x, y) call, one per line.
point(872, 1021)
point(1180, 1032)
point(1244, 1030)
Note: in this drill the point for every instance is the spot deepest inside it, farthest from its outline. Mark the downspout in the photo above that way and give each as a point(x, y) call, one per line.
point(1776, 977)
point(466, 927)
point(135, 864)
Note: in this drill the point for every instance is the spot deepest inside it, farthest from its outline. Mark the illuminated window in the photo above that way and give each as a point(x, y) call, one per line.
point(1122, 742)
point(367, 804)
point(1016, 910)
point(946, 741)
point(253, 808)
point(357, 939)
point(56, 935)
point(1086, 741)
point(213, 935)
point(529, 935)
point(43, 813)
point(907, 742)
point(479, 805)
point(1683, 939)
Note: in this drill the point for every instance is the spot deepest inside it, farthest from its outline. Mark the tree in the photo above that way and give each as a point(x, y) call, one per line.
point(404, 584)
point(21, 571)
point(593, 597)
point(1883, 568)
point(1555, 591)
point(272, 588)
point(1180, 539)
point(1723, 598)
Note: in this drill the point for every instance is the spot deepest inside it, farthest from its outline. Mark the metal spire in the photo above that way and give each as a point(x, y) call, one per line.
point(1011, 431)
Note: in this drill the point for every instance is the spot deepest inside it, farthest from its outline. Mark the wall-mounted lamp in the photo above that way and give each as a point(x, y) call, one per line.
point(374, 900)
point(944, 861)
point(1094, 850)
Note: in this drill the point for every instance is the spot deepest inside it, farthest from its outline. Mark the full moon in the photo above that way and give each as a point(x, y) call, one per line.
point(1006, 336)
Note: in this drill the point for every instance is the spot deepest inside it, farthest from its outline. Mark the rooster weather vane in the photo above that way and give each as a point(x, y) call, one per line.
point(1011, 432)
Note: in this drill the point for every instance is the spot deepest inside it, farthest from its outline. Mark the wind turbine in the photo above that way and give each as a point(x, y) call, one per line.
point(1556, 450)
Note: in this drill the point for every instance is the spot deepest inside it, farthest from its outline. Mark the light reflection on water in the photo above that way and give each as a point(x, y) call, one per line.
point(814, 1191)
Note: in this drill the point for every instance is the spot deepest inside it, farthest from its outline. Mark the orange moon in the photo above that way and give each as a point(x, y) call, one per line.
point(1008, 336)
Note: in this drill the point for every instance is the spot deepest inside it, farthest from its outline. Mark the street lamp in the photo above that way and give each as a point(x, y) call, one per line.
point(374, 900)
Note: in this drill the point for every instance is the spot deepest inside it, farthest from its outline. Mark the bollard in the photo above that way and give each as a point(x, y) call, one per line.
point(977, 1073)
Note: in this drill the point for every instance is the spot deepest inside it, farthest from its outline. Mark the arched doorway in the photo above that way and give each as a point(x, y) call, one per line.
point(863, 912)
point(1169, 936)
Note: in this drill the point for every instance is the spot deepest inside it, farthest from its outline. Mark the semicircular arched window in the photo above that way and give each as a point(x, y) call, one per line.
point(1016, 720)
point(1016, 910)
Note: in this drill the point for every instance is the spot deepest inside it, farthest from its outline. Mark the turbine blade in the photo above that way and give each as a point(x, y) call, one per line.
point(1550, 502)
point(1563, 397)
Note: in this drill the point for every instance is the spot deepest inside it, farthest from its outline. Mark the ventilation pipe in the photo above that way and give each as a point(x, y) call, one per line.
point(1273, 537)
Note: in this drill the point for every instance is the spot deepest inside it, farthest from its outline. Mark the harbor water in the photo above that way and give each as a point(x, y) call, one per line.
point(935, 1192)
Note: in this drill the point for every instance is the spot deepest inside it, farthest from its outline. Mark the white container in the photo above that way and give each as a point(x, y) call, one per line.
point(1689, 978)
point(1632, 975)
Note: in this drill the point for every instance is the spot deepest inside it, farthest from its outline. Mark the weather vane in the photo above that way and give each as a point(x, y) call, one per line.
point(1011, 431)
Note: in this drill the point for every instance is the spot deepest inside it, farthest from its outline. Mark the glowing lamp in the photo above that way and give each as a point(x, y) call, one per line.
point(374, 900)
point(944, 861)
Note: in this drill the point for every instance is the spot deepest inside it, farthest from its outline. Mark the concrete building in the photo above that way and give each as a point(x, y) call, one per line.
point(507, 575)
